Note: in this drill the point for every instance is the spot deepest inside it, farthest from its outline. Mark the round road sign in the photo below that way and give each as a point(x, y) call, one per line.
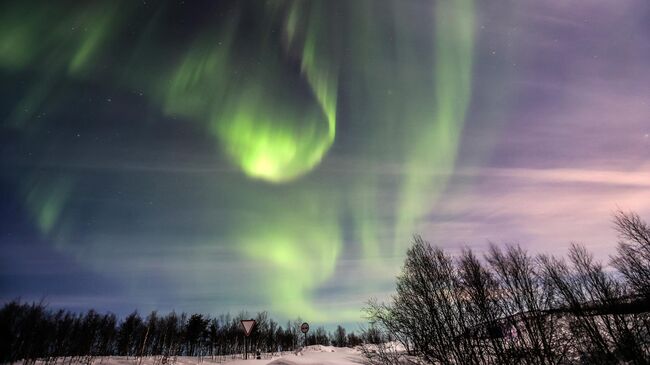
point(304, 327)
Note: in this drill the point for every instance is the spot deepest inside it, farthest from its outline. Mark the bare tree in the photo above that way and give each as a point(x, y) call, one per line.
point(481, 294)
point(427, 315)
point(338, 338)
point(633, 252)
point(526, 301)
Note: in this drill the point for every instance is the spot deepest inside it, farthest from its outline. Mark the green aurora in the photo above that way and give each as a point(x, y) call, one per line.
point(269, 85)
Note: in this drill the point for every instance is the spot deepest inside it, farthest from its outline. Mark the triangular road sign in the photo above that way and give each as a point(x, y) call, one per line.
point(248, 326)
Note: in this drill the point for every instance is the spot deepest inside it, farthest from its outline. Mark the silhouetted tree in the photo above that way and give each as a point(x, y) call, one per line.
point(339, 339)
point(633, 252)
point(510, 307)
point(196, 328)
point(353, 340)
point(526, 299)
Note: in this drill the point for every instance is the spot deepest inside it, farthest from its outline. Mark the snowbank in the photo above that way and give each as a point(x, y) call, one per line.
point(310, 355)
point(393, 346)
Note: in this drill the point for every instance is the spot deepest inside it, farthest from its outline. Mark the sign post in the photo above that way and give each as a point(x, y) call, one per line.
point(248, 325)
point(304, 328)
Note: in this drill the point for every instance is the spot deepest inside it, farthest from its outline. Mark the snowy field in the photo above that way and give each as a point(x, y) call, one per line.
point(311, 355)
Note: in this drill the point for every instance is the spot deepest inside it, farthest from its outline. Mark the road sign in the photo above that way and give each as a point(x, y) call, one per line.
point(304, 327)
point(248, 326)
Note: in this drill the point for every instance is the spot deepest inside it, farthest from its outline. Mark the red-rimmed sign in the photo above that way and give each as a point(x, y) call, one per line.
point(304, 328)
point(248, 325)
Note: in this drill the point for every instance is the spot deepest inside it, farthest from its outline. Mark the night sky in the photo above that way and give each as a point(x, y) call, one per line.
point(277, 155)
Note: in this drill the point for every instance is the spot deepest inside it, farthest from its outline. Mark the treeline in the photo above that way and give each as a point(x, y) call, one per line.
point(509, 307)
point(32, 331)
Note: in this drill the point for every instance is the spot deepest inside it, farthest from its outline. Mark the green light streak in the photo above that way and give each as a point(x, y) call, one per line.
point(436, 146)
point(268, 139)
point(45, 199)
point(200, 80)
point(258, 113)
point(15, 48)
point(301, 246)
point(96, 25)
point(321, 74)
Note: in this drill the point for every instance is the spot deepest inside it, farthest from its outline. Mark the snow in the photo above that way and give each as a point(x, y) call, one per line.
point(393, 346)
point(310, 355)
point(321, 355)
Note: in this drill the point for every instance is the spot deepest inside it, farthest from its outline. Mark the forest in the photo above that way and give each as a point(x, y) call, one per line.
point(30, 332)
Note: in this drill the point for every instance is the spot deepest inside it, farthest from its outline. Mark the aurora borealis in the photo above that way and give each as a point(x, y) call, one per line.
point(278, 155)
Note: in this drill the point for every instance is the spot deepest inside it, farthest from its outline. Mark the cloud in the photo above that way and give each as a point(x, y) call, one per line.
point(543, 209)
point(639, 178)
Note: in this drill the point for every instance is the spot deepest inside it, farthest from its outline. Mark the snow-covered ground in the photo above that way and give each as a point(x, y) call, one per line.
point(318, 354)
point(310, 355)
point(391, 347)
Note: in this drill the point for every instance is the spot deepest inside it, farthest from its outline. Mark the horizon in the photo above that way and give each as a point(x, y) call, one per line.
point(219, 157)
